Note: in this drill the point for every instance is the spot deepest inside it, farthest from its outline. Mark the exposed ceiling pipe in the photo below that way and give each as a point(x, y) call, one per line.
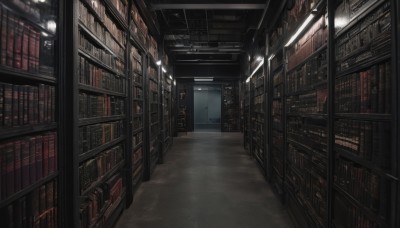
point(261, 20)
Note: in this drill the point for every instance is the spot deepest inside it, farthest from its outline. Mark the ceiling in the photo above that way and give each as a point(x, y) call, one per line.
point(204, 32)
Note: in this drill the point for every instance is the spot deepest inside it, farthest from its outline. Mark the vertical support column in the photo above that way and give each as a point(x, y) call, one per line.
point(146, 128)
point(331, 86)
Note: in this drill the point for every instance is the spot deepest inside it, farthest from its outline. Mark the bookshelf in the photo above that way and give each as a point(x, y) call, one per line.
point(153, 115)
point(246, 122)
point(100, 86)
point(258, 112)
point(167, 110)
point(29, 114)
point(363, 172)
point(231, 119)
point(136, 58)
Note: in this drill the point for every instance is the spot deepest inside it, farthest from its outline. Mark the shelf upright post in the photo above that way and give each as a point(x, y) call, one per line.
point(128, 111)
point(267, 94)
point(395, 207)
point(146, 130)
point(331, 88)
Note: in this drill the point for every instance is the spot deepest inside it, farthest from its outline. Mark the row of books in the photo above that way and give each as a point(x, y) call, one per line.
point(122, 7)
point(364, 33)
point(348, 215)
point(139, 22)
point(105, 34)
point(315, 38)
point(24, 161)
point(277, 108)
point(259, 103)
point(137, 157)
point(311, 102)
point(277, 78)
point(36, 209)
point(100, 106)
point(305, 77)
point(152, 73)
point(137, 107)
point(313, 135)
point(231, 108)
point(138, 79)
point(137, 123)
point(19, 44)
point(93, 136)
point(153, 87)
point(367, 139)
point(137, 138)
point(153, 47)
point(136, 61)
point(26, 104)
point(361, 183)
point(369, 39)
point(101, 203)
point(368, 91)
point(94, 76)
point(94, 169)
point(100, 54)
point(298, 12)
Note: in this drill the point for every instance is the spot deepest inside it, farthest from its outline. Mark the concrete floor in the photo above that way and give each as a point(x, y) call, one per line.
point(207, 181)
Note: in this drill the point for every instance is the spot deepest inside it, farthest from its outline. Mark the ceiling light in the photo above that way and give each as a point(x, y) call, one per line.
point(158, 63)
point(203, 79)
point(248, 79)
point(164, 70)
point(302, 27)
point(259, 58)
point(170, 76)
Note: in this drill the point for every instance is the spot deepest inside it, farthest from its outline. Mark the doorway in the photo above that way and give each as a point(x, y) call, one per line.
point(207, 108)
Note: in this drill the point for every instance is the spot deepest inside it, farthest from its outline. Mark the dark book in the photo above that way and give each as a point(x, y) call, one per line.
point(37, 50)
point(10, 164)
point(25, 48)
point(35, 105)
point(39, 157)
point(26, 105)
point(3, 43)
point(381, 89)
point(41, 102)
point(32, 160)
point(17, 165)
point(53, 104)
point(388, 87)
point(19, 27)
point(31, 51)
point(45, 103)
point(10, 39)
point(21, 105)
point(1, 103)
point(3, 173)
point(25, 152)
point(45, 155)
point(15, 105)
point(42, 199)
point(34, 206)
point(52, 153)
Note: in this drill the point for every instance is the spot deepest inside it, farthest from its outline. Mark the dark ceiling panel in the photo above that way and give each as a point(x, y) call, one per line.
point(212, 6)
point(201, 70)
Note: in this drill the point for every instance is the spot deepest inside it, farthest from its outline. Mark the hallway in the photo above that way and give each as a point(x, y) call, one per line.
point(207, 181)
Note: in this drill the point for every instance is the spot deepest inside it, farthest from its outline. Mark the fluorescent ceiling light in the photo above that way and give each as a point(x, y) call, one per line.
point(158, 63)
point(203, 79)
point(164, 70)
point(174, 82)
point(258, 67)
point(259, 58)
point(302, 27)
point(271, 57)
point(170, 76)
point(248, 80)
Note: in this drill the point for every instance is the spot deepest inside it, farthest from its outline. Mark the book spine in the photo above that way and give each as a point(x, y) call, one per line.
point(1, 103)
point(18, 44)
point(45, 155)
point(52, 152)
point(3, 43)
point(39, 157)
point(25, 152)
point(10, 39)
point(10, 166)
point(15, 105)
point(25, 48)
point(32, 160)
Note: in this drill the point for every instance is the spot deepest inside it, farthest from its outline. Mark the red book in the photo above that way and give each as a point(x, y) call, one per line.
point(32, 41)
point(10, 160)
point(52, 152)
point(8, 94)
point(39, 157)
point(15, 102)
point(25, 152)
point(25, 48)
point(10, 39)
point(19, 28)
point(45, 155)
point(37, 50)
point(35, 105)
point(32, 160)
point(17, 165)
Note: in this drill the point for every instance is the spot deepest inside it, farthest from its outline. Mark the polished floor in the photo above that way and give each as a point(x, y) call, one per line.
point(207, 181)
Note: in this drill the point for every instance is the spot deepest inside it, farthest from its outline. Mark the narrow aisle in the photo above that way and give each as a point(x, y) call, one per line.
point(207, 181)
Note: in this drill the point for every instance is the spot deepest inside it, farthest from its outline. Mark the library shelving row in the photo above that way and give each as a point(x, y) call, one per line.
point(333, 139)
point(75, 78)
point(231, 108)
